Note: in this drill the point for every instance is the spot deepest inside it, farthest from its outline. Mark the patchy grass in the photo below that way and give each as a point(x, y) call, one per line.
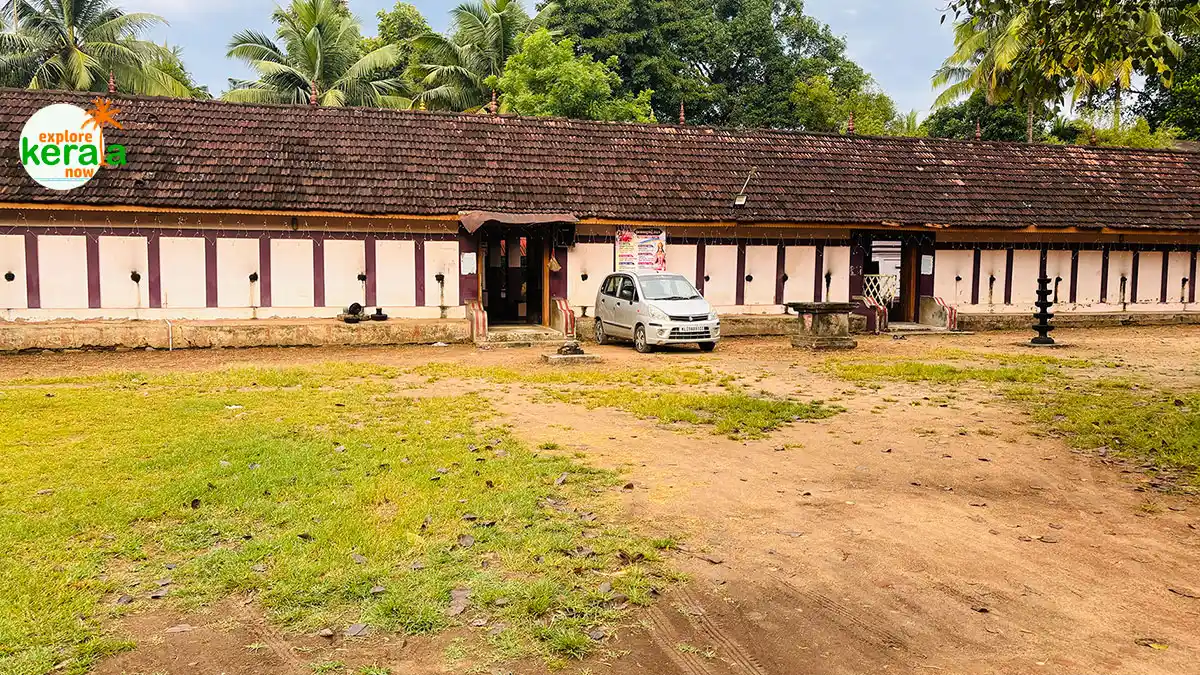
point(1146, 425)
point(937, 373)
point(320, 490)
point(581, 376)
point(1017, 360)
point(737, 415)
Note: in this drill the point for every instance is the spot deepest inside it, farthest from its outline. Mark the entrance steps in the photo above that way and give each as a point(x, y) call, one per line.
point(903, 328)
point(523, 336)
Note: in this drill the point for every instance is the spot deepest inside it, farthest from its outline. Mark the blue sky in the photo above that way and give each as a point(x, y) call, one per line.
point(899, 41)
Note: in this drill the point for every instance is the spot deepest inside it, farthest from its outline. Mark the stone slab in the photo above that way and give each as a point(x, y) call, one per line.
point(570, 359)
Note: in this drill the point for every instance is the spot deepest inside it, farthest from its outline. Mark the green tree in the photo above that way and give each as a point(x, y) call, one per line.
point(985, 61)
point(908, 124)
point(819, 106)
point(319, 53)
point(731, 62)
point(457, 69)
point(400, 27)
point(996, 122)
point(77, 44)
point(546, 78)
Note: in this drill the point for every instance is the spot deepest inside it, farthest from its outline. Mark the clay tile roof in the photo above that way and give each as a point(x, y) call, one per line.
point(214, 155)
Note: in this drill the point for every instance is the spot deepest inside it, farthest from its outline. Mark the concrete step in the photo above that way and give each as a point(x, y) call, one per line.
point(523, 336)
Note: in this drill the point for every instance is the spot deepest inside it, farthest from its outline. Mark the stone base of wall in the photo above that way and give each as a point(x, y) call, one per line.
point(982, 322)
point(18, 336)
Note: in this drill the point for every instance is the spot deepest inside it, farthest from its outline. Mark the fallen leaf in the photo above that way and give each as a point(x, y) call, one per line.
point(359, 559)
point(561, 479)
point(325, 633)
point(466, 540)
point(606, 587)
point(357, 630)
point(181, 628)
point(378, 590)
point(124, 600)
point(1185, 592)
point(712, 558)
point(1153, 643)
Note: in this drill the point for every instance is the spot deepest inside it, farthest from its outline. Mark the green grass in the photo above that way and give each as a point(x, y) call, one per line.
point(737, 415)
point(271, 482)
point(937, 373)
point(582, 376)
point(1132, 421)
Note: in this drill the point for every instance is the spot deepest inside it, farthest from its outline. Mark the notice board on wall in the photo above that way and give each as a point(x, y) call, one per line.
point(642, 249)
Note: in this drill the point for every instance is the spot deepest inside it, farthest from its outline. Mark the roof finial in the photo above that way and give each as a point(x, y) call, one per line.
point(682, 117)
point(112, 83)
point(978, 131)
point(850, 124)
point(421, 105)
point(494, 106)
point(1095, 141)
point(312, 93)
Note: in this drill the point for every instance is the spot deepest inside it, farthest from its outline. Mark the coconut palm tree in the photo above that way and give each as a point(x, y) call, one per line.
point(318, 55)
point(985, 59)
point(78, 44)
point(458, 69)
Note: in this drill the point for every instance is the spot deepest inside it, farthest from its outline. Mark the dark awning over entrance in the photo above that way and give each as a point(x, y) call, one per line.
point(473, 220)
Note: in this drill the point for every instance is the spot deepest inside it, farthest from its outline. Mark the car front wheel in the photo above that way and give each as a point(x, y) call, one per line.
point(601, 336)
point(640, 342)
point(707, 346)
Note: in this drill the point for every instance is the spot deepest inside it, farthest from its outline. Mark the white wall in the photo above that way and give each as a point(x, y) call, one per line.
point(395, 273)
point(441, 257)
point(595, 260)
point(799, 264)
point(1179, 268)
point(344, 261)
point(1120, 264)
point(720, 266)
point(681, 259)
point(184, 284)
point(1149, 290)
point(1087, 289)
point(291, 273)
point(13, 294)
point(761, 263)
point(237, 259)
point(837, 263)
point(62, 271)
point(119, 258)
point(1027, 266)
point(953, 274)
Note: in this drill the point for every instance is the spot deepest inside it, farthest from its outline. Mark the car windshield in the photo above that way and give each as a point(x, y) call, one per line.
point(668, 288)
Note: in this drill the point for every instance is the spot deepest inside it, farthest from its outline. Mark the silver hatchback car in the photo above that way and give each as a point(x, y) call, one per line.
point(654, 309)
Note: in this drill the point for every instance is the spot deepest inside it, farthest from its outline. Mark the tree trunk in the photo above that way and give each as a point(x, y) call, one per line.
point(1117, 107)
point(1029, 126)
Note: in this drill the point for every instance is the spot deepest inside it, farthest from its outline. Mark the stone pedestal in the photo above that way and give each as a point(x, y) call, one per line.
point(822, 325)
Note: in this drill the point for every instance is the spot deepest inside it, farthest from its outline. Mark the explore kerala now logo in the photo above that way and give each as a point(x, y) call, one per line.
point(62, 146)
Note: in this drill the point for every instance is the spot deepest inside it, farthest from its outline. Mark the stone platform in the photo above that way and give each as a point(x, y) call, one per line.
point(18, 336)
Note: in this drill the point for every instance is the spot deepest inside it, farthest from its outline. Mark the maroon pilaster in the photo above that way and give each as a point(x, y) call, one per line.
point(819, 274)
point(210, 270)
point(780, 273)
point(372, 296)
point(153, 270)
point(1104, 276)
point(33, 284)
point(558, 280)
point(928, 248)
point(739, 293)
point(1008, 274)
point(700, 266)
point(318, 272)
point(264, 272)
point(977, 270)
point(1133, 277)
point(1192, 278)
point(93, 270)
point(468, 284)
point(1074, 274)
point(1166, 256)
point(419, 269)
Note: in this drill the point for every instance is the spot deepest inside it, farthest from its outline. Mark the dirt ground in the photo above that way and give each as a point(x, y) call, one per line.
point(950, 537)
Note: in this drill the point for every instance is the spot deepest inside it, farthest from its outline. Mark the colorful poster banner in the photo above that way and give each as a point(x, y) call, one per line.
point(643, 249)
